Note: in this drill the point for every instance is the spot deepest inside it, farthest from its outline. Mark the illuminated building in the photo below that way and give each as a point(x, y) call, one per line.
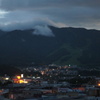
point(20, 80)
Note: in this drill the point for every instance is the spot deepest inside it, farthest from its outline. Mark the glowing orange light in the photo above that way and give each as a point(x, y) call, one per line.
point(99, 84)
point(21, 81)
point(18, 77)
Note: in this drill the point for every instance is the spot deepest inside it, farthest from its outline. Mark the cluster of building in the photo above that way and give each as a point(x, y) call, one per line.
point(50, 84)
point(53, 70)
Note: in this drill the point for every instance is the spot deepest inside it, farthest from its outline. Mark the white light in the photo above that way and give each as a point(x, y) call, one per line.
point(22, 75)
point(6, 78)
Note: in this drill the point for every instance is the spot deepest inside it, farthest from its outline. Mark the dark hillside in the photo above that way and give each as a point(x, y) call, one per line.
point(69, 46)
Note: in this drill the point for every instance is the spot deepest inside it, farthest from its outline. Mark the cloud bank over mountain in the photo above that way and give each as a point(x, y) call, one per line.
point(25, 14)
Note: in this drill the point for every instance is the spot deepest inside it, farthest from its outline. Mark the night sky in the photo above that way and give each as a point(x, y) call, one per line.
point(25, 14)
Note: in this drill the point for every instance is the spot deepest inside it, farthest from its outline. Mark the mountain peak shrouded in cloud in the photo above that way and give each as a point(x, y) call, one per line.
point(26, 14)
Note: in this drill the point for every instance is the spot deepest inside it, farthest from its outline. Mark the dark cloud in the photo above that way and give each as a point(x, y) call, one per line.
point(31, 4)
point(22, 14)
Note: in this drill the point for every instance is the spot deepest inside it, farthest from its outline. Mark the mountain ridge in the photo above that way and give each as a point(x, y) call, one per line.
point(68, 46)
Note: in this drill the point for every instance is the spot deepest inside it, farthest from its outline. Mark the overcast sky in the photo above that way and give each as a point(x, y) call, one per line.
point(24, 14)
